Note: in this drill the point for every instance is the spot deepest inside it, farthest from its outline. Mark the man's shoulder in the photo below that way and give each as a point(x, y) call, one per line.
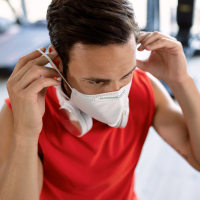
point(159, 90)
point(141, 85)
point(141, 96)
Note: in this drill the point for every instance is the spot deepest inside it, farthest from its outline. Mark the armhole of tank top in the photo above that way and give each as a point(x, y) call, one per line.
point(152, 97)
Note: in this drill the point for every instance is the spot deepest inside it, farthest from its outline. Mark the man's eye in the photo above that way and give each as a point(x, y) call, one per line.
point(95, 82)
point(126, 76)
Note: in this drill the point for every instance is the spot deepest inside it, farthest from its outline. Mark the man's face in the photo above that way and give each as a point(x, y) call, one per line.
point(99, 69)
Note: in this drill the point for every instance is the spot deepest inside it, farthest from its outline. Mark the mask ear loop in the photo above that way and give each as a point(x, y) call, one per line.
point(54, 66)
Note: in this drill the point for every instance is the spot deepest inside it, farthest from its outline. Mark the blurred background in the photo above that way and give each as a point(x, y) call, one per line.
point(161, 172)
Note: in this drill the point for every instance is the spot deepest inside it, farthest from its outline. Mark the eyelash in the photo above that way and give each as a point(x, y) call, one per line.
point(96, 82)
point(127, 76)
point(103, 83)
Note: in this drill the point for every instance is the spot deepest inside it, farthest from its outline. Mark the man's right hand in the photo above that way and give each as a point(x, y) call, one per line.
point(27, 87)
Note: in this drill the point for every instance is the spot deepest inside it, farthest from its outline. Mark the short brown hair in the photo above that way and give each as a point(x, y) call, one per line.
point(92, 22)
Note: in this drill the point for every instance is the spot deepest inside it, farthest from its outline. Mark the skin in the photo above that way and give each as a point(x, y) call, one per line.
point(178, 126)
point(20, 129)
point(89, 63)
point(112, 62)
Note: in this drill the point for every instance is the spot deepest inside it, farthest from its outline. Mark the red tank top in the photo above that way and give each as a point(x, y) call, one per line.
point(100, 165)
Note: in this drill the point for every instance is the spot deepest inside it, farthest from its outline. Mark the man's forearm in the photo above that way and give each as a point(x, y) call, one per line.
point(188, 97)
point(19, 179)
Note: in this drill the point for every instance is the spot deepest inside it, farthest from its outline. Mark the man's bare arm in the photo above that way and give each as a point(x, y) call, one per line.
point(170, 124)
point(21, 171)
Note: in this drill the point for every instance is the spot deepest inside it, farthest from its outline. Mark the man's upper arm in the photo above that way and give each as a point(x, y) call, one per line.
point(169, 123)
point(6, 139)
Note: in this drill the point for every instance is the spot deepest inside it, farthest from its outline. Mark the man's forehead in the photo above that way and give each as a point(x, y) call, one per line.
point(110, 60)
point(81, 47)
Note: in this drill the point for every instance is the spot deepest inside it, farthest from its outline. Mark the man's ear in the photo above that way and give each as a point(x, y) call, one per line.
point(57, 61)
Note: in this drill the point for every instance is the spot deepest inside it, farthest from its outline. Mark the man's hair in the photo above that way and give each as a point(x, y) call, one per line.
point(91, 22)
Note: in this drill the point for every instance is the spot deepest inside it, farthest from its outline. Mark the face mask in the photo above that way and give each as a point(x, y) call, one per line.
point(111, 108)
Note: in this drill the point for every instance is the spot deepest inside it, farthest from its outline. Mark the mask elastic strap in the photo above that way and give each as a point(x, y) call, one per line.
point(53, 65)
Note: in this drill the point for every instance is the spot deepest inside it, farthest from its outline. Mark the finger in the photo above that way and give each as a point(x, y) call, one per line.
point(141, 47)
point(43, 91)
point(42, 59)
point(163, 43)
point(25, 59)
point(36, 72)
point(152, 38)
point(148, 40)
point(142, 36)
point(39, 85)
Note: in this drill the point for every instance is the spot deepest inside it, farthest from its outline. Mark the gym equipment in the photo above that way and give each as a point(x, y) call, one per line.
point(20, 37)
point(185, 14)
point(153, 15)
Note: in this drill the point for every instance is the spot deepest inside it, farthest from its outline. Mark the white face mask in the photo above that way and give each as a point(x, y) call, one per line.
point(111, 108)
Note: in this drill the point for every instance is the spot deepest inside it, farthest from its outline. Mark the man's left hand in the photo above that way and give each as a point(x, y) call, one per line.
point(167, 61)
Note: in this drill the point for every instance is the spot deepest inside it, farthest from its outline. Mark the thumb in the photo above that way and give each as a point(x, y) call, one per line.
point(43, 91)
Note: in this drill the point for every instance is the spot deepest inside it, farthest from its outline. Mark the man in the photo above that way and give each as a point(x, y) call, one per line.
point(82, 137)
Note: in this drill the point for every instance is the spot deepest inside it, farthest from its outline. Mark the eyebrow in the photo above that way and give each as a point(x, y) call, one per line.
point(107, 80)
